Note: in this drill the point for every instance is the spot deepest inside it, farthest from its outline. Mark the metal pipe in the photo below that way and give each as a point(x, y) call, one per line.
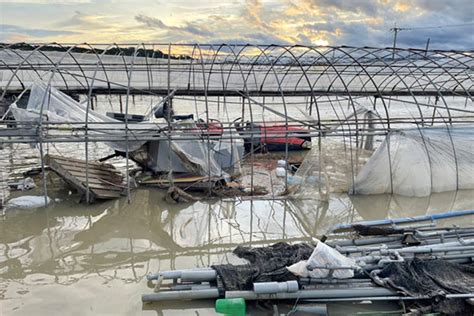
point(194, 287)
point(331, 281)
point(311, 310)
point(391, 221)
point(314, 294)
point(392, 247)
point(275, 287)
point(388, 298)
point(191, 275)
point(181, 295)
point(198, 276)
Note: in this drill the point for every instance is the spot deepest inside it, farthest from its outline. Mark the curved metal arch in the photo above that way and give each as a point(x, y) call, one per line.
point(351, 101)
point(285, 110)
point(433, 84)
point(451, 138)
point(325, 72)
point(68, 51)
point(275, 62)
point(455, 75)
point(14, 75)
point(53, 64)
point(23, 60)
point(309, 66)
point(420, 68)
point(387, 65)
point(305, 75)
point(237, 58)
point(425, 144)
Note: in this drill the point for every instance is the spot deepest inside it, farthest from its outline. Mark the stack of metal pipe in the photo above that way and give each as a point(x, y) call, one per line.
point(453, 244)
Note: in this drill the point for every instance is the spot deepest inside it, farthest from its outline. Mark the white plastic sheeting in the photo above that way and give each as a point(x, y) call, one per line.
point(418, 162)
point(325, 261)
point(28, 201)
point(198, 157)
point(58, 107)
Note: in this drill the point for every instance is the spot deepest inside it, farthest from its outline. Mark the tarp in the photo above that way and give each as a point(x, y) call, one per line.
point(418, 162)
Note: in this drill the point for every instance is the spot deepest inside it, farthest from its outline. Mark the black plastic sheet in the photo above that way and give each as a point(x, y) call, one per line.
point(435, 279)
point(266, 264)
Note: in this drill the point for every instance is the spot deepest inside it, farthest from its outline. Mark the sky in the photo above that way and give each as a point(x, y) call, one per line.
point(306, 22)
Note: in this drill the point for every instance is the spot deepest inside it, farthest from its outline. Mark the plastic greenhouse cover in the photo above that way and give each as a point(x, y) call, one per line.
point(418, 162)
point(57, 107)
point(197, 158)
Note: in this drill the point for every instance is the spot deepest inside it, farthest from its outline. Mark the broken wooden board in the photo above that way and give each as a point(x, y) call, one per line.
point(197, 183)
point(103, 181)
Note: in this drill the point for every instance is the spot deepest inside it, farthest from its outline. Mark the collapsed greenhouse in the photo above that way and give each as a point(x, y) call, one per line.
point(265, 124)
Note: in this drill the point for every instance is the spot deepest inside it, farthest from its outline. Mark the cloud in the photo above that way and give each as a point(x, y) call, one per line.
point(367, 23)
point(188, 27)
point(91, 22)
point(252, 12)
point(309, 22)
point(67, 2)
point(7, 31)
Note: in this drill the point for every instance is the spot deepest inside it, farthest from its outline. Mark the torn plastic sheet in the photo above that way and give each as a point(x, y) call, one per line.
point(214, 158)
point(57, 107)
point(418, 162)
point(197, 158)
point(324, 262)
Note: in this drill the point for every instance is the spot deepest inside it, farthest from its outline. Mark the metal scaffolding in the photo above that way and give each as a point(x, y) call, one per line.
point(354, 95)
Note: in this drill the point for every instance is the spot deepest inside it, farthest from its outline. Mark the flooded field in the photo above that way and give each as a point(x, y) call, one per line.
point(93, 259)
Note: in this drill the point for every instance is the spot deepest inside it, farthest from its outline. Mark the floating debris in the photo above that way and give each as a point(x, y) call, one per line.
point(176, 195)
point(99, 181)
point(28, 201)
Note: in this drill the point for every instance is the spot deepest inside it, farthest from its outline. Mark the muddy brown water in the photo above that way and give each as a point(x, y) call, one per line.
point(79, 259)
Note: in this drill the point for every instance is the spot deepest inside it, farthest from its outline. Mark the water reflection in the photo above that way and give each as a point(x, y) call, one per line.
point(385, 205)
point(70, 238)
point(115, 243)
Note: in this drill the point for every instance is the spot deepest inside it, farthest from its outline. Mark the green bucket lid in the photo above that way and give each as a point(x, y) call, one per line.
point(231, 306)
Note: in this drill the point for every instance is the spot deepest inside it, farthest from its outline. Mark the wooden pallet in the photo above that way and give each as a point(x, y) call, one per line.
point(105, 182)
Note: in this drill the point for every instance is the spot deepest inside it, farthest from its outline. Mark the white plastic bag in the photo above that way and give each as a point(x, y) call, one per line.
point(281, 163)
point(324, 256)
point(280, 172)
point(28, 201)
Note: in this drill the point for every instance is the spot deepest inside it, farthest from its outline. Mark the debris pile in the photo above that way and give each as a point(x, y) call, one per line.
point(429, 269)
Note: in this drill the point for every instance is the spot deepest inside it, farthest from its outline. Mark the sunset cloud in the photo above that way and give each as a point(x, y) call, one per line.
point(310, 22)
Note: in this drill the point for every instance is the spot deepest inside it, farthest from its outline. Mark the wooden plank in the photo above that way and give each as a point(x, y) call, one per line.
point(182, 180)
point(94, 186)
point(63, 173)
point(93, 170)
point(110, 177)
point(100, 182)
point(83, 162)
point(105, 176)
point(84, 166)
point(104, 181)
